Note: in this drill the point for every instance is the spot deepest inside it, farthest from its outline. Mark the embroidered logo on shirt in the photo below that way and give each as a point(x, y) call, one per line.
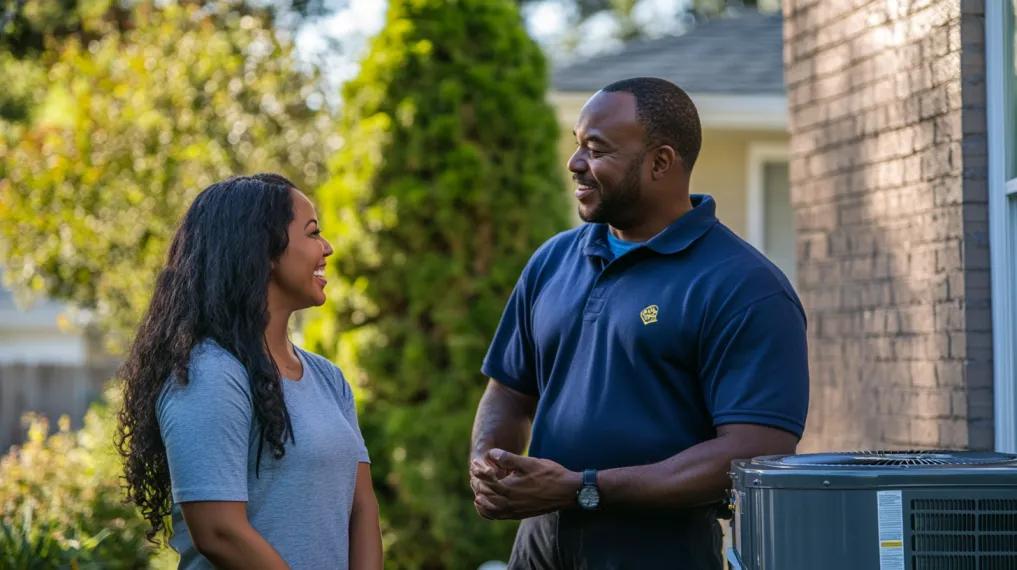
point(649, 314)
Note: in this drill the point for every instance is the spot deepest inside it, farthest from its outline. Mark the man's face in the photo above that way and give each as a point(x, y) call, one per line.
point(608, 163)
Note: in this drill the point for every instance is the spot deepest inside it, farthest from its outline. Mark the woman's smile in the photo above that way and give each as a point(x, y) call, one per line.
point(319, 275)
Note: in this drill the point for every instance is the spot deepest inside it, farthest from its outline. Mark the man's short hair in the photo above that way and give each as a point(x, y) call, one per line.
point(667, 113)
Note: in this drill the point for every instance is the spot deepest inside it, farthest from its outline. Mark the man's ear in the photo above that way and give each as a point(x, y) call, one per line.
point(665, 160)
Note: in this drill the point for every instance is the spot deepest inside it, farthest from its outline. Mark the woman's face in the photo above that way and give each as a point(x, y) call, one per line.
point(298, 276)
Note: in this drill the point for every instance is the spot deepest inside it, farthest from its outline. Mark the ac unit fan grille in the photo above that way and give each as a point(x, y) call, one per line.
point(904, 458)
point(963, 534)
point(954, 562)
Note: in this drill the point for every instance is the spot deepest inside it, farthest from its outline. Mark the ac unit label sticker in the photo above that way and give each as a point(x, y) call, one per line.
point(890, 507)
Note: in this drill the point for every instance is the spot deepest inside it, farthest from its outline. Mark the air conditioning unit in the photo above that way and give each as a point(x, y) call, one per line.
point(878, 510)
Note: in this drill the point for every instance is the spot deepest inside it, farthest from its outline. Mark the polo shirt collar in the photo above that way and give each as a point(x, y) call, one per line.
point(676, 237)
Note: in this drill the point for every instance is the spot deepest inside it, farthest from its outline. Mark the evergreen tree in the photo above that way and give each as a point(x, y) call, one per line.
point(447, 181)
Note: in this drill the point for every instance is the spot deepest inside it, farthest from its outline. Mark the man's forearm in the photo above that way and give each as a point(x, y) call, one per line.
point(696, 476)
point(503, 420)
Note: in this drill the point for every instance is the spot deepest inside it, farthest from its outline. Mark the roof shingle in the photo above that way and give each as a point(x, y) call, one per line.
point(736, 55)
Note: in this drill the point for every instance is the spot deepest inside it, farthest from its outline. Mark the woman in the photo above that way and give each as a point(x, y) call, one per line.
point(250, 442)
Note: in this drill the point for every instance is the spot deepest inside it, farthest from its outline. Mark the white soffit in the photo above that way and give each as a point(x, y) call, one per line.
point(730, 112)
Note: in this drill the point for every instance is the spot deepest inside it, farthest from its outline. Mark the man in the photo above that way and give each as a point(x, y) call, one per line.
point(649, 348)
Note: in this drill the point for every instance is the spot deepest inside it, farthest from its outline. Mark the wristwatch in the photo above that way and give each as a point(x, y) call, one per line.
point(588, 495)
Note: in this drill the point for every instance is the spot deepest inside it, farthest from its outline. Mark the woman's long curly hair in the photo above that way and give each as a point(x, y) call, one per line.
point(214, 286)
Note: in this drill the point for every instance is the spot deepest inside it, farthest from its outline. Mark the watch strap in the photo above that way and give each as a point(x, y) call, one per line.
point(589, 478)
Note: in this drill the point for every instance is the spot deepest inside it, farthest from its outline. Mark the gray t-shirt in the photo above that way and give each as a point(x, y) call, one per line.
point(301, 503)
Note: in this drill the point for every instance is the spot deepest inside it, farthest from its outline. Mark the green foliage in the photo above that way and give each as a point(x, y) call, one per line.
point(131, 126)
point(30, 545)
point(61, 504)
point(26, 26)
point(447, 182)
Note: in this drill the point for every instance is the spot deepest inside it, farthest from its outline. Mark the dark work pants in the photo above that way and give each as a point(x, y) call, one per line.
point(578, 540)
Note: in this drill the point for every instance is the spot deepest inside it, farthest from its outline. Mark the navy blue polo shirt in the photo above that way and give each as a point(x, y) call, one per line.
point(639, 357)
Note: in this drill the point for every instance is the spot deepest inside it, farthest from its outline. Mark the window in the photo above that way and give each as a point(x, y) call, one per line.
point(770, 219)
point(1001, 91)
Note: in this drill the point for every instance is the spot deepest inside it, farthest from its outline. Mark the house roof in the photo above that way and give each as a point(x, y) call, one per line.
point(40, 316)
point(736, 55)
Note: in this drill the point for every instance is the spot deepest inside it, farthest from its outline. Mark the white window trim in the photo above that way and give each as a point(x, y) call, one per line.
point(759, 154)
point(1002, 259)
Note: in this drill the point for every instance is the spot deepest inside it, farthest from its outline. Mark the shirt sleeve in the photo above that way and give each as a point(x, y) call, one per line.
point(206, 429)
point(754, 367)
point(510, 357)
point(349, 406)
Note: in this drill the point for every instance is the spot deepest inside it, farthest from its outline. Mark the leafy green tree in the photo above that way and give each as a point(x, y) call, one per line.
point(447, 182)
point(26, 27)
point(133, 123)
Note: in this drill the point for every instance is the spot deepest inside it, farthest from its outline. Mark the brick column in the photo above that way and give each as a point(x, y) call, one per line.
point(887, 118)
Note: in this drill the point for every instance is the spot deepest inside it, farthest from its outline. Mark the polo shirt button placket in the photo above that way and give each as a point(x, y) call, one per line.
point(596, 300)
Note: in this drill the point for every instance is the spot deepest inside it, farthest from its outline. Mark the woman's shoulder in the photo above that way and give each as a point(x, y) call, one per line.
point(212, 369)
point(326, 368)
point(214, 378)
point(319, 363)
point(208, 355)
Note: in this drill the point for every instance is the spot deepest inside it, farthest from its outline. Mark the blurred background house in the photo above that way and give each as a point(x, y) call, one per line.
point(40, 333)
point(51, 362)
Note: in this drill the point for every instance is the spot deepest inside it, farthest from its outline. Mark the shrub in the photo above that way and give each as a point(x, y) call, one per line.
point(61, 503)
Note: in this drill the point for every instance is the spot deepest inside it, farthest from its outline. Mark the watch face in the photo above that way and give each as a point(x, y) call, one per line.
point(589, 497)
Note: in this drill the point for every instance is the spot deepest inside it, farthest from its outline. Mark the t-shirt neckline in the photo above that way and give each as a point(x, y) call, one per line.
point(303, 367)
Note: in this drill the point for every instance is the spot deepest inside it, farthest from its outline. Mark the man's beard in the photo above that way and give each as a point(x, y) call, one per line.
point(618, 206)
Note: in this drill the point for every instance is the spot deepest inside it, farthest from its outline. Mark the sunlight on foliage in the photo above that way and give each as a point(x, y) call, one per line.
point(132, 125)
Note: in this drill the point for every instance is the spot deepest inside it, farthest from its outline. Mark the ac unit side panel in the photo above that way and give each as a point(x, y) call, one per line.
point(833, 530)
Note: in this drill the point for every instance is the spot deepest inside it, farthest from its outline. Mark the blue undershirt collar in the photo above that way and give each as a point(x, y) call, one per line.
point(620, 247)
point(676, 237)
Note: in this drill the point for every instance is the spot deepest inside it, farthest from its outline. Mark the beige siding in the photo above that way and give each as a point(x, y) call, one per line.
point(722, 172)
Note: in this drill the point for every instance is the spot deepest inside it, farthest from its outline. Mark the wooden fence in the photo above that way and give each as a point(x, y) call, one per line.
point(49, 389)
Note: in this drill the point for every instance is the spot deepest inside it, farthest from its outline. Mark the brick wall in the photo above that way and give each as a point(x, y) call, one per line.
point(887, 118)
